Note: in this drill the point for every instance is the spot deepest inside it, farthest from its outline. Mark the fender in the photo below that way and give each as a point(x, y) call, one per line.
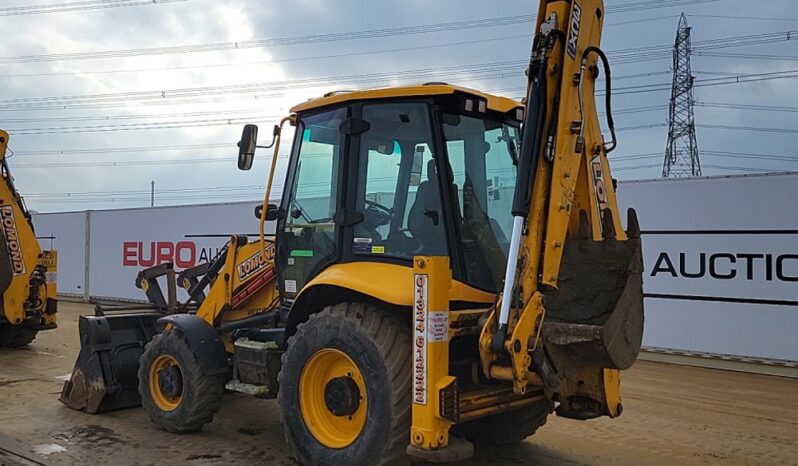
point(204, 341)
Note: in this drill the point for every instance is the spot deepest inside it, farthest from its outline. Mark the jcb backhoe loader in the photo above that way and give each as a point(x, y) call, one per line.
point(449, 268)
point(27, 274)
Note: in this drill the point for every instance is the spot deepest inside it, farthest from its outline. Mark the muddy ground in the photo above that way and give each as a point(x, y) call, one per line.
point(673, 415)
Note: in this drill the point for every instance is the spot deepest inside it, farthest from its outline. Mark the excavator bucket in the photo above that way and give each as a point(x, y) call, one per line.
point(105, 377)
point(595, 317)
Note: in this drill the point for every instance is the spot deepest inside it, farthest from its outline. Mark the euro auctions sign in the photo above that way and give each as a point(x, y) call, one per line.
point(183, 254)
point(726, 265)
point(124, 242)
point(721, 264)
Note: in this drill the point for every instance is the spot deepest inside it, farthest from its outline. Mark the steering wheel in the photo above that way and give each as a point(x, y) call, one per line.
point(376, 215)
point(385, 209)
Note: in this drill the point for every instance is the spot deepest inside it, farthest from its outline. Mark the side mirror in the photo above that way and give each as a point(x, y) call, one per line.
point(272, 212)
point(246, 147)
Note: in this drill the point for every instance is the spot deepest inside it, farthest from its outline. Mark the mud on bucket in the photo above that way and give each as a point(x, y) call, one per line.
point(595, 318)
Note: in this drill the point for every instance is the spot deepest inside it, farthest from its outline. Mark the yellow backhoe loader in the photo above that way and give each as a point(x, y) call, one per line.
point(449, 268)
point(27, 273)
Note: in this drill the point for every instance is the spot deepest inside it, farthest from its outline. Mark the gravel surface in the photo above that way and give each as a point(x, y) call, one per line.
point(672, 415)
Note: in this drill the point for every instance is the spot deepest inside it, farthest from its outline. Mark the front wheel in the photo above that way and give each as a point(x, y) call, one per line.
point(345, 387)
point(17, 336)
point(175, 393)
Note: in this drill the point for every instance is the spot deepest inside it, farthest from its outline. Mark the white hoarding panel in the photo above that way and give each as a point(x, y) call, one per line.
point(721, 257)
point(721, 264)
point(123, 242)
point(66, 233)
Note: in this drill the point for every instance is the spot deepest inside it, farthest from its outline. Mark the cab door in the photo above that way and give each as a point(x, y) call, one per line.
point(308, 239)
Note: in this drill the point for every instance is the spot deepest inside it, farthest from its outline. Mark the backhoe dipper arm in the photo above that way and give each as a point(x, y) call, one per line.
point(564, 195)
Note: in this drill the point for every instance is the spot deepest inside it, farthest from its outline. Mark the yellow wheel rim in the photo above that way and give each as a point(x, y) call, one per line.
point(163, 401)
point(328, 366)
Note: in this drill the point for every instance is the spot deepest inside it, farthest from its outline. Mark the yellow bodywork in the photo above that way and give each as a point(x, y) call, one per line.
point(572, 199)
point(246, 286)
point(430, 317)
point(570, 184)
point(23, 259)
point(495, 103)
point(370, 278)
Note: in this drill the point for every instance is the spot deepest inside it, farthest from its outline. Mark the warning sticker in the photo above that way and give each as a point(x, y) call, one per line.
point(361, 245)
point(290, 286)
point(378, 249)
point(438, 326)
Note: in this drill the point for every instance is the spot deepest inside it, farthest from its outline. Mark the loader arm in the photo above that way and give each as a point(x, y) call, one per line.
point(27, 274)
point(570, 314)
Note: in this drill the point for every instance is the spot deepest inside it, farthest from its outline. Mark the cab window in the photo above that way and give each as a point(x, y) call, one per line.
point(482, 157)
point(397, 191)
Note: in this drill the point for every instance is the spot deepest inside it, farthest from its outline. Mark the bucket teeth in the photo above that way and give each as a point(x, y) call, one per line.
point(584, 226)
point(607, 224)
point(632, 224)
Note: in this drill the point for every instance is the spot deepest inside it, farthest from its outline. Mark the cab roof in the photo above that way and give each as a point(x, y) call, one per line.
point(495, 103)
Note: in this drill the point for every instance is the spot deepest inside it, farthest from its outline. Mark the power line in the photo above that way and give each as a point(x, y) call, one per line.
point(330, 37)
point(69, 7)
point(486, 70)
point(311, 58)
point(768, 108)
point(744, 18)
point(727, 80)
point(749, 56)
point(137, 192)
point(123, 149)
point(743, 169)
point(752, 156)
point(750, 128)
point(269, 62)
point(126, 163)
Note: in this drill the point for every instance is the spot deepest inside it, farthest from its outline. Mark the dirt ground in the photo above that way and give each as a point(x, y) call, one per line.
point(673, 415)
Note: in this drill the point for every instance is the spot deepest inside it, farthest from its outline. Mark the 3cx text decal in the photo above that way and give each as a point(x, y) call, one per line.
point(12, 240)
point(573, 37)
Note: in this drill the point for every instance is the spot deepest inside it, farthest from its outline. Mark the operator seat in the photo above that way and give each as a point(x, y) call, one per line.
point(426, 212)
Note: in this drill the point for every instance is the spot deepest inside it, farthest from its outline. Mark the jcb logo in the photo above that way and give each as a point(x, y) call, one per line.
point(598, 184)
point(12, 240)
point(573, 37)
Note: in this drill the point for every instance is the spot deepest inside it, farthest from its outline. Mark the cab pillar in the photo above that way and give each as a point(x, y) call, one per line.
point(435, 397)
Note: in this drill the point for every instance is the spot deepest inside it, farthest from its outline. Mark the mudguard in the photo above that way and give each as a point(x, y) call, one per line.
point(204, 341)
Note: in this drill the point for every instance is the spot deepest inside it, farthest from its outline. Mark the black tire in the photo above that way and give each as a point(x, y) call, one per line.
point(17, 336)
point(201, 395)
point(506, 428)
point(379, 344)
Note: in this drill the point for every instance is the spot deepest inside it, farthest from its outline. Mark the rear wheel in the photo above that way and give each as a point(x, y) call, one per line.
point(16, 336)
point(175, 393)
point(505, 428)
point(345, 387)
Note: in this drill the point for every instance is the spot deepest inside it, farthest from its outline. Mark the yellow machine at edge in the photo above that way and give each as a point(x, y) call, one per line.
point(448, 269)
point(27, 273)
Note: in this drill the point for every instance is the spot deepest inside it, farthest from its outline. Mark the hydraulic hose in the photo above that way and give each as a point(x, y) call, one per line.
point(607, 95)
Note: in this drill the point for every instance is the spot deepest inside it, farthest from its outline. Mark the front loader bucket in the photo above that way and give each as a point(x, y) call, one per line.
point(105, 377)
point(595, 317)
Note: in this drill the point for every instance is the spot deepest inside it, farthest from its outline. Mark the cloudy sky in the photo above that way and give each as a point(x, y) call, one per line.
point(104, 96)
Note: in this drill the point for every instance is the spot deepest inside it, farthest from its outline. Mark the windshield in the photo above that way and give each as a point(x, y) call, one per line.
point(482, 156)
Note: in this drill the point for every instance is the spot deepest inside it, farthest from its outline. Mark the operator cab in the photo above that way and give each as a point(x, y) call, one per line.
point(389, 174)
